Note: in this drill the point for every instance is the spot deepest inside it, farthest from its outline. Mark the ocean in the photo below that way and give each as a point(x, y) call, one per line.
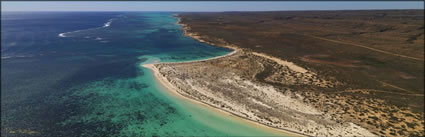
point(79, 74)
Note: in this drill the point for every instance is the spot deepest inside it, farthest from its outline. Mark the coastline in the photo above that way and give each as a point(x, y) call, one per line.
point(201, 60)
point(185, 29)
point(173, 91)
point(191, 79)
point(292, 126)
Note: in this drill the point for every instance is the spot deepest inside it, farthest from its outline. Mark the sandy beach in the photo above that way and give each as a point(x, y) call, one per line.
point(172, 90)
point(228, 84)
point(225, 90)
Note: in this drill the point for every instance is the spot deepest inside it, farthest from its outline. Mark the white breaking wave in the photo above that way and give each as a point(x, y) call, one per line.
point(7, 57)
point(62, 35)
point(107, 24)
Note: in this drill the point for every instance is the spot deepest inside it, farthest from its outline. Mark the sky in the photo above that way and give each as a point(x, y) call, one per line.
point(204, 6)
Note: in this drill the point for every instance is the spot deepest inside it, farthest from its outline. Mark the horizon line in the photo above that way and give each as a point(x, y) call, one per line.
point(201, 11)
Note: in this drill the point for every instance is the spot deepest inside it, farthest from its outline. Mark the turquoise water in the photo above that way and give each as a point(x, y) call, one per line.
point(89, 82)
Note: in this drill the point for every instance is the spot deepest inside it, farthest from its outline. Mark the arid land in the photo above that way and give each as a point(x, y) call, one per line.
point(320, 73)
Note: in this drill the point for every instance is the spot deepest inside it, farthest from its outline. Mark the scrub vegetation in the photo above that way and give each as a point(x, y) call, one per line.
point(373, 59)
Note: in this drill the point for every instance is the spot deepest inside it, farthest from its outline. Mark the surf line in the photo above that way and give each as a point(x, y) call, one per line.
point(105, 25)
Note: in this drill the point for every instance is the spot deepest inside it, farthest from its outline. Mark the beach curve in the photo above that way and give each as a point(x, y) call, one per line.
point(173, 91)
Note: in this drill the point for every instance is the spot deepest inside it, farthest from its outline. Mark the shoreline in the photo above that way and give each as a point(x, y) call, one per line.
point(185, 29)
point(173, 91)
point(201, 60)
point(219, 83)
point(293, 130)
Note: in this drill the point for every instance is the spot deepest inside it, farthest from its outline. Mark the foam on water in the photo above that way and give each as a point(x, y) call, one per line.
point(62, 35)
point(105, 25)
point(9, 57)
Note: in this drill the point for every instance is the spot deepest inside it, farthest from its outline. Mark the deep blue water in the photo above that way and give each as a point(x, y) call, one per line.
point(89, 82)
